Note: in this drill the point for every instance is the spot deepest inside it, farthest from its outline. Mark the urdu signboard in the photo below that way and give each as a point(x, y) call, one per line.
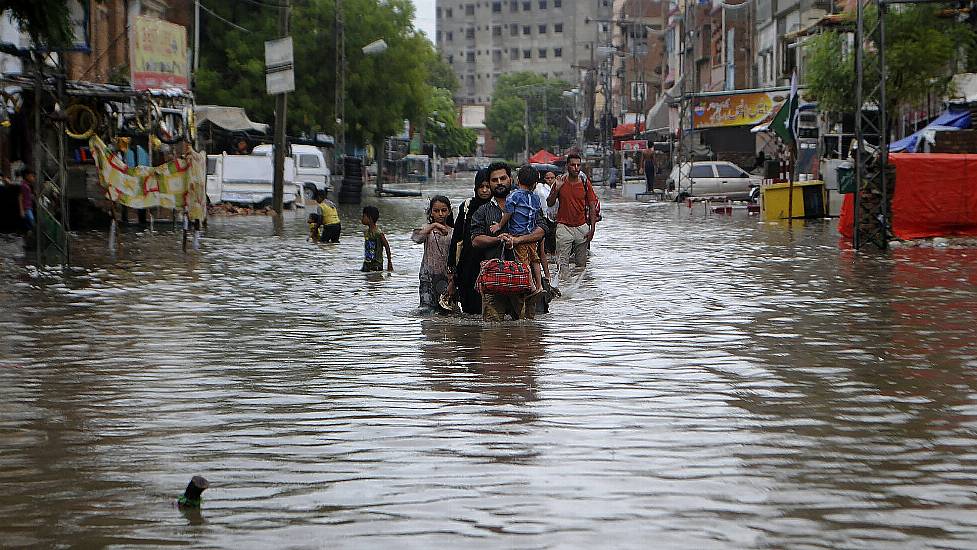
point(735, 109)
point(159, 55)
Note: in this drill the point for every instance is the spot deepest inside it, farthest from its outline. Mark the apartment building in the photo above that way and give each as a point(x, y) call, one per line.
point(482, 40)
point(776, 52)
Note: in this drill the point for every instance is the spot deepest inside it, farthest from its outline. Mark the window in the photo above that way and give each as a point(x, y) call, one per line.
point(514, 30)
point(496, 56)
point(542, 53)
point(470, 33)
point(514, 6)
point(557, 3)
point(451, 59)
point(439, 36)
point(470, 57)
point(527, 54)
point(526, 6)
point(542, 29)
point(514, 53)
point(542, 4)
point(727, 171)
point(447, 13)
point(557, 52)
point(438, 13)
point(451, 36)
point(309, 161)
point(639, 91)
point(526, 29)
point(701, 171)
point(496, 30)
point(496, 7)
point(558, 27)
point(211, 166)
point(470, 9)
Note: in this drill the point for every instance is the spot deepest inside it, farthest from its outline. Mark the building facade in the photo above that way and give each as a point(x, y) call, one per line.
point(482, 40)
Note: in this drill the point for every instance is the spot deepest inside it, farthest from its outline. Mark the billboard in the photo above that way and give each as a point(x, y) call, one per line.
point(735, 109)
point(158, 53)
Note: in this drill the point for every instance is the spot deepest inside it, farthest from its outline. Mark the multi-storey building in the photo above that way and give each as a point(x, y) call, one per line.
point(483, 39)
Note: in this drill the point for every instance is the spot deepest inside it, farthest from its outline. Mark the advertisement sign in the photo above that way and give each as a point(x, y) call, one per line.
point(634, 145)
point(159, 55)
point(279, 68)
point(735, 109)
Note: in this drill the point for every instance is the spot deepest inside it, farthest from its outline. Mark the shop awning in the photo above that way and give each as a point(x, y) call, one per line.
point(657, 118)
point(232, 119)
point(629, 129)
point(543, 157)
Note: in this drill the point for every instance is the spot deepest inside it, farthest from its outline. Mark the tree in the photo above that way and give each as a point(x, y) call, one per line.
point(547, 116)
point(381, 91)
point(443, 76)
point(922, 49)
point(443, 129)
point(45, 21)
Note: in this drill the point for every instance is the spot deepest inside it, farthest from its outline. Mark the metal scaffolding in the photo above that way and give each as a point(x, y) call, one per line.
point(51, 193)
point(873, 217)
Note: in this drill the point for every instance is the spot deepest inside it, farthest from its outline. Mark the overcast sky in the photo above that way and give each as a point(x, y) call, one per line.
point(425, 17)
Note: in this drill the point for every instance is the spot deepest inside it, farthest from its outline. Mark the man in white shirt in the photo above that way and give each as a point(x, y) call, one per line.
point(549, 212)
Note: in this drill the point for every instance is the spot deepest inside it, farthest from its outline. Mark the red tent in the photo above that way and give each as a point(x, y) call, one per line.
point(543, 157)
point(628, 129)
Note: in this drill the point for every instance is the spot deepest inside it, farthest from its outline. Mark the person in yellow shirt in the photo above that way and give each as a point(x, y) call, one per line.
point(324, 223)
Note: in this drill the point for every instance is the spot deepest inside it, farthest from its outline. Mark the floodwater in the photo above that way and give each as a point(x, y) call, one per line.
point(713, 382)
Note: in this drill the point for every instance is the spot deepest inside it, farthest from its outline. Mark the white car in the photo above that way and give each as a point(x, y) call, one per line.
point(713, 178)
point(310, 166)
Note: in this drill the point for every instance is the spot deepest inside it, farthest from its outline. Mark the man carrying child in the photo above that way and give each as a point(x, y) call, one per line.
point(495, 307)
point(522, 209)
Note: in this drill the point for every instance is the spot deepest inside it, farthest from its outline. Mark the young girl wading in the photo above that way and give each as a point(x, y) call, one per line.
point(436, 237)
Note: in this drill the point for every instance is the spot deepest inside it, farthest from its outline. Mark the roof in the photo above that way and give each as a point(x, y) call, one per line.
point(233, 119)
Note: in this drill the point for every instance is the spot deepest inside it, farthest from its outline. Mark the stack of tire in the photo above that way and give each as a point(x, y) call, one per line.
point(351, 190)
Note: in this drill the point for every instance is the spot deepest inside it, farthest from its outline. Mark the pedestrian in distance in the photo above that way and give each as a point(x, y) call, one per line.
point(522, 209)
point(493, 245)
point(373, 239)
point(435, 235)
point(649, 168)
point(576, 218)
point(464, 260)
point(324, 225)
point(26, 202)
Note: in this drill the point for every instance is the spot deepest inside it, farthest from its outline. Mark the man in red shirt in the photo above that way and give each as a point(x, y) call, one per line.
point(576, 216)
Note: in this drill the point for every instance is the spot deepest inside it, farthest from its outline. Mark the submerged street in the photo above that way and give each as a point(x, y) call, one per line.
point(713, 381)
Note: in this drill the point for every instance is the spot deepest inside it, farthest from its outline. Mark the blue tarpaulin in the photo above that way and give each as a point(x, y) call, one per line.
point(947, 121)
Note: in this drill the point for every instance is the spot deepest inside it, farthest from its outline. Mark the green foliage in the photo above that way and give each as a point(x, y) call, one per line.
point(443, 76)
point(830, 73)
point(443, 128)
point(922, 51)
point(547, 116)
point(45, 21)
point(381, 90)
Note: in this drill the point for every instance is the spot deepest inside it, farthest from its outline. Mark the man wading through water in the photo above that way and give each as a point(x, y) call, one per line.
point(494, 306)
point(576, 217)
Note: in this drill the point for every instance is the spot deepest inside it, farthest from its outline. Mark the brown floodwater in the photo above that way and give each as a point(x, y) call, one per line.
point(711, 382)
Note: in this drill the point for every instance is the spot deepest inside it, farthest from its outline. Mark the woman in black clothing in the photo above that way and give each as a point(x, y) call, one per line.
point(464, 261)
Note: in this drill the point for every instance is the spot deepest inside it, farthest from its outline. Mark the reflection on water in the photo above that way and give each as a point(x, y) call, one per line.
point(712, 382)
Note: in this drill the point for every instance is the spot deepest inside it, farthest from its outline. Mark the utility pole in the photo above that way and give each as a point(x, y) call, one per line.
point(525, 126)
point(281, 107)
point(340, 97)
point(196, 36)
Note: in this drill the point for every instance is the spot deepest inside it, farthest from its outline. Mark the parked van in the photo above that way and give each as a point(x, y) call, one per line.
point(248, 180)
point(309, 163)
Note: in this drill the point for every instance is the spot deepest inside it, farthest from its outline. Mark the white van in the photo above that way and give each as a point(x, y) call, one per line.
point(310, 166)
point(248, 179)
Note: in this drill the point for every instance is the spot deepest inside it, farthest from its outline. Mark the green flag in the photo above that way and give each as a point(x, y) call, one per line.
point(784, 121)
